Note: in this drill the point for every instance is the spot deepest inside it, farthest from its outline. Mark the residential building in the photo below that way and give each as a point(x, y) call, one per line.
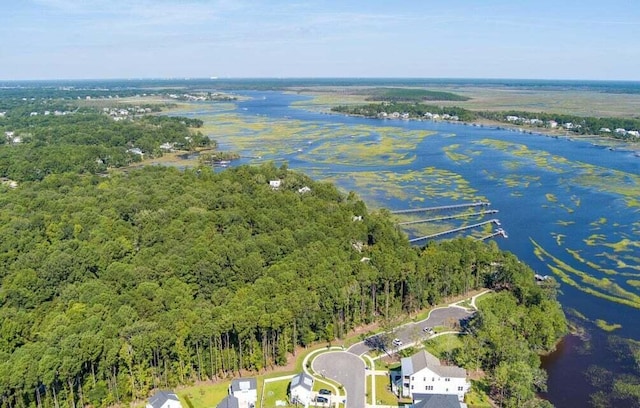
point(164, 399)
point(275, 184)
point(246, 391)
point(301, 389)
point(436, 401)
point(422, 373)
point(229, 402)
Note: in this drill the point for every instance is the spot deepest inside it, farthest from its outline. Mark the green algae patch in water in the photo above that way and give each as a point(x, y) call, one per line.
point(603, 288)
point(608, 327)
point(634, 283)
point(455, 156)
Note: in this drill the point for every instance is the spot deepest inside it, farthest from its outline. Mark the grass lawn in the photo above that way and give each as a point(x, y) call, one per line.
point(441, 345)
point(384, 396)
point(275, 391)
point(204, 395)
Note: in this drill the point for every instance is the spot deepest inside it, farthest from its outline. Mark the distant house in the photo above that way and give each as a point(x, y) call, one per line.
point(136, 150)
point(275, 184)
point(620, 131)
point(633, 133)
point(164, 399)
point(422, 373)
point(304, 189)
point(356, 218)
point(436, 401)
point(167, 146)
point(300, 389)
point(605, 130)
point(552, 124)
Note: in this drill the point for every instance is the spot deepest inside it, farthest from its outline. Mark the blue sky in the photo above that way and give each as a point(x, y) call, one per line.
point(77, 39)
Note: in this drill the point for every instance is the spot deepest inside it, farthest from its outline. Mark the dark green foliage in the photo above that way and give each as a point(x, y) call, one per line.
point(411, 95)
point(581, 125)
point(510, 330)
point(87, 142)
point(415, 110)
point(113, 286)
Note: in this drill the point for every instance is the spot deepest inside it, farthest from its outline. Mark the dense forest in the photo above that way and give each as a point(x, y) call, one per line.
point(410, 95)
point(86, 140)
point(506, 337)
point(579, 125)
point(113, 286)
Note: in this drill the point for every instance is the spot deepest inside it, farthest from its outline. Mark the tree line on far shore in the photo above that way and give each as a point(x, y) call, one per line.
point(579, 124)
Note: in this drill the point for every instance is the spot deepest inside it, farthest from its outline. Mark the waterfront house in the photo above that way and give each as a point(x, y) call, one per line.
point(422, 373)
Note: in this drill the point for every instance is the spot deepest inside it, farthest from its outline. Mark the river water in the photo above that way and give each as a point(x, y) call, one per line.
point(570, 207)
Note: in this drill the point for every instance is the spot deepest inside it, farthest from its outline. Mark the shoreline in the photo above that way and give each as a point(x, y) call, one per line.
point(597, 140)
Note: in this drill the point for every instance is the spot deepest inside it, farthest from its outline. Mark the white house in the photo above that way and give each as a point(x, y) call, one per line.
point(275, 184)
point(164, 399)
point(633, 133)
point(246, 391)
point(300, 389)
point(303, 190)
point(422, 373)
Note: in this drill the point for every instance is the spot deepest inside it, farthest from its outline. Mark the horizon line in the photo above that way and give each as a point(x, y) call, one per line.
point(213, 79)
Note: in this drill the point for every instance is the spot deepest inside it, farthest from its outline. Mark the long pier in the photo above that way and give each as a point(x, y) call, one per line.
point(436, 235)
point(442, 207)
point(448, 217)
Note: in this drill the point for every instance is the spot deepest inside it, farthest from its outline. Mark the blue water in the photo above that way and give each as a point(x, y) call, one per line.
point(526, 212)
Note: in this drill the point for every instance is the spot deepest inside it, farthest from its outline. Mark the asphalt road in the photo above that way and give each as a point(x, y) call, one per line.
point(347, 369)
point(412, 332)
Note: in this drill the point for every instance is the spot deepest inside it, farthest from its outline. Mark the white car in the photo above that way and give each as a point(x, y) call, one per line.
point(397, 342)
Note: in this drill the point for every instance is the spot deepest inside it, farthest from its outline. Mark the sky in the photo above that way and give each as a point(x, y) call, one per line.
point(543, 39)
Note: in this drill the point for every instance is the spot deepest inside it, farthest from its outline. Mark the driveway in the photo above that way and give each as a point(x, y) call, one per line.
point(412, 332)
point(347, 369)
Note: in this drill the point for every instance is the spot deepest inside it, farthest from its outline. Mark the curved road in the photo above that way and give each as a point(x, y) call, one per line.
point(412, 332)
point(347, 369)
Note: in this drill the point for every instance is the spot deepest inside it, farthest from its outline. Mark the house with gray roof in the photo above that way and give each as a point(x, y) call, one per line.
point(229, 402)
point(164, 399)
point(245, 390)
point(437, 401)
point(422, 373)
point(300, 389)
